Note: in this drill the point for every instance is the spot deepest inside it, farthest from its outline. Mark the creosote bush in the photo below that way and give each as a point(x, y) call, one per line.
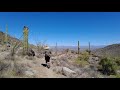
point(82, 59)
point(117, 60)
point(84, 56)
point(108, 66)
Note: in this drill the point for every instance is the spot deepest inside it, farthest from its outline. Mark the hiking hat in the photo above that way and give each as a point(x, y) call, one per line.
point(46, 48)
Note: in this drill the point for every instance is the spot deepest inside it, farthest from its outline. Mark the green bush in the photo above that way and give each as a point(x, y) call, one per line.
point(82, 59)
point(117, 60)
point(108, 66)
point(84, 56)
point(82, 63)
point(89, 51)
point(115, 76)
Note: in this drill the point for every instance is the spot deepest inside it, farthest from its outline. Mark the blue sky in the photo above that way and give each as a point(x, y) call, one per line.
point(65, 28)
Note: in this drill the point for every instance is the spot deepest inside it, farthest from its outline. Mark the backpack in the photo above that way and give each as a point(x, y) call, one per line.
point(48, 53)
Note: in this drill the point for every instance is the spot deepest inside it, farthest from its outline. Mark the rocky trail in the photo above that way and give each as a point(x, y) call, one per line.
point(62, 66)
point(42, 71)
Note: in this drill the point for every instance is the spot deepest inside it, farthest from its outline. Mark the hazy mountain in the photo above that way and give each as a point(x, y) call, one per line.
point(75, 47)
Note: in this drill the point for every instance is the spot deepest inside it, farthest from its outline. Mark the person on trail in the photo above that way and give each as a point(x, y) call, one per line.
point(47, 56)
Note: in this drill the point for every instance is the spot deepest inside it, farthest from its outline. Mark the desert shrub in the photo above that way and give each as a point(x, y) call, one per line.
point(4, 66)
point(82, 60)
point(5, 69)
point(82, 63)
point(10, 57)
point(117, 60)
point(84, 56)
point(30, 57)
point(19, 52)
point(67, 50)
point(115, 76)
point(108, 66)
point(73, 52)
point(19, 69)
point(10, 69)
point(89, 51)
point(93, 55)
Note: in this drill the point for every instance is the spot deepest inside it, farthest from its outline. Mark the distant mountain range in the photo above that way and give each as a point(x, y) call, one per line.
point(102, 50)
point(76, 48)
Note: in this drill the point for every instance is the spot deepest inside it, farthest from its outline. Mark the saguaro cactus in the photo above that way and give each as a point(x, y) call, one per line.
point(56, 48)
point(6, 35)
point(89, 48)
point(25, 40)
point(78, 47)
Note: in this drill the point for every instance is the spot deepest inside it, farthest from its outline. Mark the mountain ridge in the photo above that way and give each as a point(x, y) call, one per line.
point(110, 50)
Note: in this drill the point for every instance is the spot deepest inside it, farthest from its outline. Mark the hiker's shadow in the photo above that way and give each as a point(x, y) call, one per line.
point(44, 65)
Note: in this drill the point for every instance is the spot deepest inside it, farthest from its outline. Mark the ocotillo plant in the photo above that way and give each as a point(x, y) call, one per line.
point(78, 47)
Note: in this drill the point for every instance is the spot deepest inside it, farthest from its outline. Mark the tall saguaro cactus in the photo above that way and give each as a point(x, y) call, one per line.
point(25, 40)
point(6, 38)
point(56, 48)
point(78, 47)
point(89, 48)
point(6, 35)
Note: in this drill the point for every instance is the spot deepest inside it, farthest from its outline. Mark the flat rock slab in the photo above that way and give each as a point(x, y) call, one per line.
point(68, 72)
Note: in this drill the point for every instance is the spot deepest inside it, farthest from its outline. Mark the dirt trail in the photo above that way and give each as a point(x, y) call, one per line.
point(44, 72)
point(36, 65)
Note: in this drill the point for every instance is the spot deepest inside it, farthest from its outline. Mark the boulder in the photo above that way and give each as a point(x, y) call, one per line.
point(118, 71)
point(29, 73)
point(31, 53)
point(55, 63)
point(64, 63)
point(68, 72)
point(84, 75)
point(57, 69)
point(53, 58)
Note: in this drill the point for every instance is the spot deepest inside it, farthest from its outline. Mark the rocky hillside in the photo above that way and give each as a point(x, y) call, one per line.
point(110, 50)
point(11, 39)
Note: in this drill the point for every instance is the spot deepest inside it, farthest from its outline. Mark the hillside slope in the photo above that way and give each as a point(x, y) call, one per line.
point(110, 50)
point(11, 40)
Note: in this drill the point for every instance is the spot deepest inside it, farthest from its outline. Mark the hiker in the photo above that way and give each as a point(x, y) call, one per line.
point(47, 56)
